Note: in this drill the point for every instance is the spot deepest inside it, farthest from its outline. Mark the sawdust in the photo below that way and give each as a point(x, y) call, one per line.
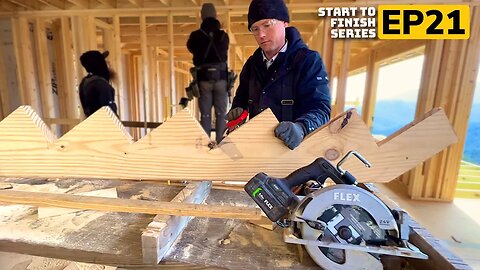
point(88, 266)
point(39, 263)
point(236, 238)
point(185, 252)
point(21, 222)
point(50, 188)
point(224, 241)
point(284, 263)
point(10, 261)
point(143, 195)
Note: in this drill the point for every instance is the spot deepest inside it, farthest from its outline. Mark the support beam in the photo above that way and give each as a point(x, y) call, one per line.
point(162, 232)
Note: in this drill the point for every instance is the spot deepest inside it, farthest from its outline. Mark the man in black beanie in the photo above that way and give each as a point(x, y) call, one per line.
point(209, 46)
point(283, 75)
point(95, 90)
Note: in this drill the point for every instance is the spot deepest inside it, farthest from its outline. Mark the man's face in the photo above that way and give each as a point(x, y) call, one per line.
point(270, 35)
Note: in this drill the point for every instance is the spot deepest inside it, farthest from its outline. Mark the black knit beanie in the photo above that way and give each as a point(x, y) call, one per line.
point(267, 9)
point(94, 62)
point(208, 11)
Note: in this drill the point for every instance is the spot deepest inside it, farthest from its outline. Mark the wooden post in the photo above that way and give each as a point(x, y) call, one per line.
point(26, 78)
point(166, 86)
point(144, 70)
point(171, 55)
point(370, 95)
point(4, 96)
point(69, 95)
point(342, 78)
point(44, 74)
point(328, 52)
point(120, 92)
point(449, 74)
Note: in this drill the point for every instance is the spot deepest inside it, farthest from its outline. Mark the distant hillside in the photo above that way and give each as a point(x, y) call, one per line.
point(391, 115)
point(472, 144)
point(475, 114)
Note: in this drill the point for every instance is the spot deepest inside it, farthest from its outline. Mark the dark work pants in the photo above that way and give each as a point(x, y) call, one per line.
point(213, 93)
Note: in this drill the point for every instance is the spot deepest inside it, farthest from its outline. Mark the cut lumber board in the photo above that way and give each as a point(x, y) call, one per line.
point(44, 212)
point(126, 205)
point(162, 232)
point(179, 149)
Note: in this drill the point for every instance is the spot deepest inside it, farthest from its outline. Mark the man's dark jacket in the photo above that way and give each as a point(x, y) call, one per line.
point(297, 74)
point(198, 42)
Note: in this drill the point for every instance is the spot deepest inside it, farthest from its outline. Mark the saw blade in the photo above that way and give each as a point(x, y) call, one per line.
point(346, 223)
point(331, 258)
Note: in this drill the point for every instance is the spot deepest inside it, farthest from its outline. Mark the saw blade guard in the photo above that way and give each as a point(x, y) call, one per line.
point(339, 207)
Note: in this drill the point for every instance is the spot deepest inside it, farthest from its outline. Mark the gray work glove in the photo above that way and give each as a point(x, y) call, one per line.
point(291, 133)
point(234, 114)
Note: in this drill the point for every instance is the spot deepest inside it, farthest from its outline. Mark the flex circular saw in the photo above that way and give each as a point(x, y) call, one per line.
point(342, 226)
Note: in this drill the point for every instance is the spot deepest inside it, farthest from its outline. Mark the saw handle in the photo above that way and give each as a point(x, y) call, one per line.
point(319, 170)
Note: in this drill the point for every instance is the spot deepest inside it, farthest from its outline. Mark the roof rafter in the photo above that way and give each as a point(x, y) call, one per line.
point(80, 3)
point(25, 4)
point(137, 3)
point(53, 3)
point(109, 3)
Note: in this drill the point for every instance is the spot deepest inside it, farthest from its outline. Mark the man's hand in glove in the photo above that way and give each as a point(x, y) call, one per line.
point(291, 133)
point(234, 114)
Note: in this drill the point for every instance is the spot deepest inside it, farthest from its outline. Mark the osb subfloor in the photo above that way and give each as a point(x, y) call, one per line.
point(456, 224)
point(11, 261)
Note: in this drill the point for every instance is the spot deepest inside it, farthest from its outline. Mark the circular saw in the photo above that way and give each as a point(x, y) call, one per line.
point(342, 226)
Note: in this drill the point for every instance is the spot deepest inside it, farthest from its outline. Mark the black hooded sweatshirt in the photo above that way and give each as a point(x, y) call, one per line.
point(198, 42)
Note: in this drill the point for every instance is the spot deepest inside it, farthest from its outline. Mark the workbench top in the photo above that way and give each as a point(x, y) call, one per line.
point(115, 238)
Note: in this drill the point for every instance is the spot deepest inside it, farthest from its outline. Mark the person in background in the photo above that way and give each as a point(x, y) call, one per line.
point(209, 46)
point(95, 89)
point(283, 74)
